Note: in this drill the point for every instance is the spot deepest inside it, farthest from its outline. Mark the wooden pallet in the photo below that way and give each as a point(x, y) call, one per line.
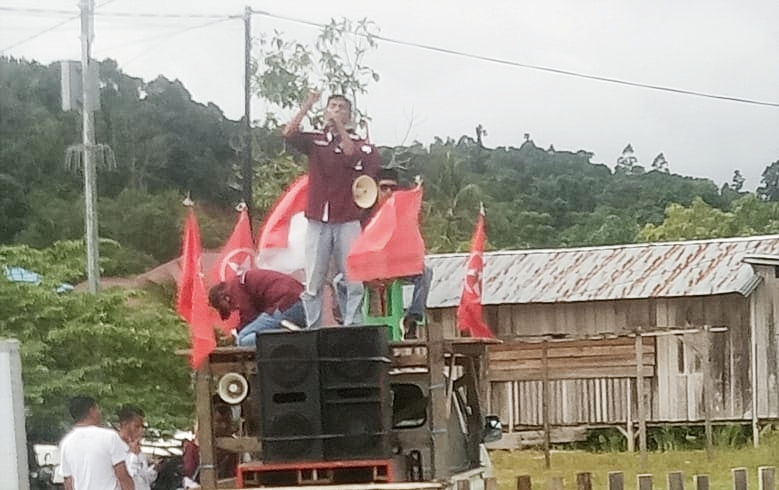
point(259, 474)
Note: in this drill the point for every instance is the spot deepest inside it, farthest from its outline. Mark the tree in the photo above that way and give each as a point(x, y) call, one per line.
point(769, 190)
point(698, 221)
point(737, 182)
point(660, 163)
point(288, 70)
point(627, 161)
point(118, 346)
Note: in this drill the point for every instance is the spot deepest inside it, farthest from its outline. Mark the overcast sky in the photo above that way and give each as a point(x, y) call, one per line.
point(713, 46)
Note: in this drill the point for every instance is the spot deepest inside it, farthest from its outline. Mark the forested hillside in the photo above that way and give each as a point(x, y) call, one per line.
point(165, 145)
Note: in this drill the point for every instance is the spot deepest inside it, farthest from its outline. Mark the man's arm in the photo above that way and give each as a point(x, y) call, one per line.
point(293, 127)
point(68, 483)
point(125, 482)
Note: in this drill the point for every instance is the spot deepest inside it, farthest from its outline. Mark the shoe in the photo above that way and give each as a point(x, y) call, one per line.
point(409, 328)
point(290, 326)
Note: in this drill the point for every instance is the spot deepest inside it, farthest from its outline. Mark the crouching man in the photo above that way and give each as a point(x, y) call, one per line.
point(263, 298)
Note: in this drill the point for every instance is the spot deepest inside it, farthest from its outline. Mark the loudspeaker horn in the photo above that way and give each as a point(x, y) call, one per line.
point(232, 388)
point(365, 191)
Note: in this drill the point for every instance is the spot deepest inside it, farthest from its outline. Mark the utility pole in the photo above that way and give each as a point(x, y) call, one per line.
point(88, 143)
point(248, 168)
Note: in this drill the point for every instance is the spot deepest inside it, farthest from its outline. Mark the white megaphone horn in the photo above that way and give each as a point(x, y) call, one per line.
point(365, 191)
point(232, 388)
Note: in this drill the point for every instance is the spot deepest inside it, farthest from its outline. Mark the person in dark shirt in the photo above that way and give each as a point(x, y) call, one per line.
point(263, 298)
point(336, 157)
point(388, 183)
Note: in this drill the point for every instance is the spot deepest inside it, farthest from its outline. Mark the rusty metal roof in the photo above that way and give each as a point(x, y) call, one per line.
point(647, 270)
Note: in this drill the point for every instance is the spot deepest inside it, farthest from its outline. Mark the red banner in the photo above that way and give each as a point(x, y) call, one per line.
point(469, 313)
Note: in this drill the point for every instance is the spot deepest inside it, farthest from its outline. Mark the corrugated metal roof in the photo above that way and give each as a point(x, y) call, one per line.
point(650, 270)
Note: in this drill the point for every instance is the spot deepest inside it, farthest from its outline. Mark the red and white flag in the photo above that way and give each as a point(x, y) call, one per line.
point(238, 252)
point(469, 314)
point(391, 245)
point(281, 240)
point(237, 256)
point(192, 299)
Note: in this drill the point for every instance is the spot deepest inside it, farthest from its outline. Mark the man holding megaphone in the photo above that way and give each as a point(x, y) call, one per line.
point(337, 157)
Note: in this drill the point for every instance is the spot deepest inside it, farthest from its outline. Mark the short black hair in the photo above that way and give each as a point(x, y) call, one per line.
point(388, 173)
point(128, 413)
point(215, 295)
point(341, 97)
point(80, 405)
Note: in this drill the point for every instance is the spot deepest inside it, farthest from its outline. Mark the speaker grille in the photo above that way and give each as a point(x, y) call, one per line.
point(290, 409)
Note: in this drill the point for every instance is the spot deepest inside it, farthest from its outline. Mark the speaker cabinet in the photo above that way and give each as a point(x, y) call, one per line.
point(290, 405)
point(356, 399)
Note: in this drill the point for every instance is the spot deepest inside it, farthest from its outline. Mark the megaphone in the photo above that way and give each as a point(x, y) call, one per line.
point(232, 388)
point(365, 191)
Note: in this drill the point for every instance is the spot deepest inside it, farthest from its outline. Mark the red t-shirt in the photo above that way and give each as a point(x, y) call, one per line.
point(331, 173)
point(262, 291)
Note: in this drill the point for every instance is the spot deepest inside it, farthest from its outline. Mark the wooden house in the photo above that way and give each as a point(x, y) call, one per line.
point(705, 313)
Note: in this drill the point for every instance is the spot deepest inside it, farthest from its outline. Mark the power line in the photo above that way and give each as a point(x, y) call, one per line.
point(48, 29)
point(39, 34)
point(532, 67)
point(176, 33)
point(427, 47)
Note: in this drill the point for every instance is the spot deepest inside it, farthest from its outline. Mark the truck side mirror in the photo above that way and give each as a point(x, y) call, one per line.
point(493, 429)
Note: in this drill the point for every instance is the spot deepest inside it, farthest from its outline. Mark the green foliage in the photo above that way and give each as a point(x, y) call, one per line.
point(748, 216)
point(769, 188)
point(604, 440)
point(288, 70)
point(118, 346)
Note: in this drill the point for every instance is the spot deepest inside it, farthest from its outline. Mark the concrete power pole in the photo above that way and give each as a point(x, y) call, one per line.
point(88, 142)
point(248, 168)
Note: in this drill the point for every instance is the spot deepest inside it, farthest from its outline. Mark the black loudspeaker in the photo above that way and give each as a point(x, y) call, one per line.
point(356, 397)
point(290, 408)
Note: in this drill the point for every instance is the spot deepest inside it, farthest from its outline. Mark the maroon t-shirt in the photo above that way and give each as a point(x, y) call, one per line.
point(262, 291)
point(331, 173)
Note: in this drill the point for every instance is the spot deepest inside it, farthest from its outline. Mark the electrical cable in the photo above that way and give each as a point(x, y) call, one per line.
point(532, 67)
point(48, 29)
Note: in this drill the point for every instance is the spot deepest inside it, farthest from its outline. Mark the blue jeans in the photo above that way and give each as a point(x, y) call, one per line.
point(416, 309)
point(247, 336)
point(323, 241)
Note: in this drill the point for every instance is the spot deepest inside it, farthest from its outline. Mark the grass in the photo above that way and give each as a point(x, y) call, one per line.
point(566, 464)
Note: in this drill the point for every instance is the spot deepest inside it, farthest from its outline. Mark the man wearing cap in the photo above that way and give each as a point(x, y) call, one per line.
point(388, 183)
point(336, 157)
point(263, 298)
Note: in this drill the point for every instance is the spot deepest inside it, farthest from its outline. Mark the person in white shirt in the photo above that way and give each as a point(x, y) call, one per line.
point(92, 457)
point(131, 432)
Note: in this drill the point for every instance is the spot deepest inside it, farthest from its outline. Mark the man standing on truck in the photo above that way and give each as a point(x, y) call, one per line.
point(263, 298)
point(336, 157)
point(92, 457)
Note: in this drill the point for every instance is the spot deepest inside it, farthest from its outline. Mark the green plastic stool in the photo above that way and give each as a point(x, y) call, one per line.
point(383, 305)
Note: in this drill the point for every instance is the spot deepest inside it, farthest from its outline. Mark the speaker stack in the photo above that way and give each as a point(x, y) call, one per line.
point(356, 403)
point(325, 394)
point(290, 408)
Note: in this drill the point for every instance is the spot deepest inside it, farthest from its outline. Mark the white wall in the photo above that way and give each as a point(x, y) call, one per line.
point(13, 440)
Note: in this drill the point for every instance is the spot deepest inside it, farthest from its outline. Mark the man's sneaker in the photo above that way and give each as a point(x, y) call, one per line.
point(409, 328)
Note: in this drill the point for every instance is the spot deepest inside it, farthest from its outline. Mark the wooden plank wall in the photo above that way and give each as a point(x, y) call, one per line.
point(570, 359)
point(675, 394)
point(592, 381)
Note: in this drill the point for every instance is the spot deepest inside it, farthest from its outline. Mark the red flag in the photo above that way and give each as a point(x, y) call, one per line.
point(391, 245)
point(469, 316)
point(275, 231)
point(192, 299)
point(237, 256)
